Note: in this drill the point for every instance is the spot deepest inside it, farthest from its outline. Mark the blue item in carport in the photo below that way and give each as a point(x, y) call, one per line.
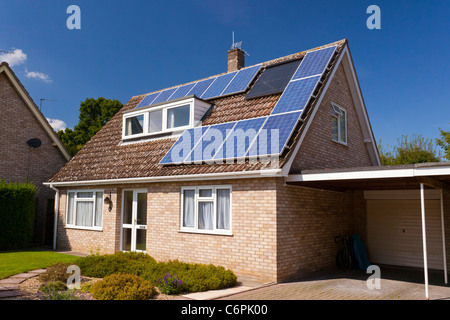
point(360, 252)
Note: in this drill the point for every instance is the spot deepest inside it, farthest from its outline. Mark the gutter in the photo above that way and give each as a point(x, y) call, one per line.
point(55, 224)
point(269, 173)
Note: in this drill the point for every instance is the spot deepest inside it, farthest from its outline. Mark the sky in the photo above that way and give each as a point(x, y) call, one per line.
point(127, 48)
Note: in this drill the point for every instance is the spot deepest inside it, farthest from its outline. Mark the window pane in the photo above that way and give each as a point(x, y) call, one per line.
point(127, 207)
point(141, 216)
point(85, 195)
point(141, 236)
point(334, 128)
point(85, 210)
point(343, 127)
point(205, 193)
point(178, 117)
point(70, 208)
point(205, 215)
point(126, 239)
point(155, 121)
point(188, 210)
point(134, 125)
point(98, 209)
point(223, 209)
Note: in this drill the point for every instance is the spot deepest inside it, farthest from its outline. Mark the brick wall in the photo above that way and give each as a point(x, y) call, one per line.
point(17, 160)
point(318, 151)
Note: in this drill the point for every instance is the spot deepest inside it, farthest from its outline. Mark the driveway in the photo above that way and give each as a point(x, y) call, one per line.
point(395, 284)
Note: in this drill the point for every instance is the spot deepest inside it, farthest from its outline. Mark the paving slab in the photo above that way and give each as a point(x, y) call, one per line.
point(37, 271)
point(25, 276)
point(11, 281)
point(9, 287)
point(10, 294)
point(214, 294)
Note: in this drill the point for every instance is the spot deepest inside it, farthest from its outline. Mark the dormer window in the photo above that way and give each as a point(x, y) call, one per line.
point(164, 118)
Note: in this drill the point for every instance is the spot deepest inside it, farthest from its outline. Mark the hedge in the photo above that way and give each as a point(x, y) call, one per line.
point(16, 214)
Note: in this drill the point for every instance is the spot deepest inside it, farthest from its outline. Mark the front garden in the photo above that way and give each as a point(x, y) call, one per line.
point(130, 276)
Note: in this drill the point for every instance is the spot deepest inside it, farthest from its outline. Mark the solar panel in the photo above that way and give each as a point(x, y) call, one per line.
point(218, 85)
point(164, 96)
point(273, 136)
point(242, 80)
point(211, 142)
point(183, 146)
point(296, 95)
point(182, 91)
point(240, 138)
point(314, 63)
point(200, 87)
point(148, 99)
point(274, 79)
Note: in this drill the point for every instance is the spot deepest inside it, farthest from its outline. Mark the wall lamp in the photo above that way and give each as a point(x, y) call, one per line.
point(109, 202)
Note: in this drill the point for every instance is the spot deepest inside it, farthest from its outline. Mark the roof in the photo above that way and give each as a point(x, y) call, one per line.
point(23, 93)
point(105, 158)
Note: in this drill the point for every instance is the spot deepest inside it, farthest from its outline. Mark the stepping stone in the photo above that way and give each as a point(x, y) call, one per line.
point(9, 288)
point(37, 271)
point(11, 281)
point(24, 276)
point(10, 294)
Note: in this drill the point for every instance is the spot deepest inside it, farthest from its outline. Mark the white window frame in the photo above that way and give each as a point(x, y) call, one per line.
point(74, 213)
point(145, 112)
point(338, 112)
point(213, 199)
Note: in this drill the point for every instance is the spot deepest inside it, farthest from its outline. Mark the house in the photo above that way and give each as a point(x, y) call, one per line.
point(256, 169)
point(30, 149)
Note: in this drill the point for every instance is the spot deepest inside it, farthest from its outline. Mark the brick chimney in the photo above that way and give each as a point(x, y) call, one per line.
point(236, 59)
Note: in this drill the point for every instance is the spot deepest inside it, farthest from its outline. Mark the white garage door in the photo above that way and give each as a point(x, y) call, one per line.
point(394, 232)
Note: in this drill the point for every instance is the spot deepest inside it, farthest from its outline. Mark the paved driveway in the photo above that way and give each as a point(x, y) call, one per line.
point(395, 284)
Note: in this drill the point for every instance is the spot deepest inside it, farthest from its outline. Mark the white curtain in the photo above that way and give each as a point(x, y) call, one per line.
point(70, 208)
point(205, 215)
point(98, 209)
point(85, 210)
point(189, 207)
point(170, 118)
point(223, 209)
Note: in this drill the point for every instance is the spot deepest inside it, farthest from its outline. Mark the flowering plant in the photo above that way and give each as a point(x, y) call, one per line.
point(169, 284)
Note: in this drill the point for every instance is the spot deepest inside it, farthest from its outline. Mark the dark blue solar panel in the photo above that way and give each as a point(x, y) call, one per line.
point(148, 100)
point(183, 146)
point(314, 63)
point(218, 85)
point(274, 135)
point(201, 87)
point(240, 138)
point(182, 91)
point(211, 142)
point(164, 96)
point(242, 80)
point(296, 95)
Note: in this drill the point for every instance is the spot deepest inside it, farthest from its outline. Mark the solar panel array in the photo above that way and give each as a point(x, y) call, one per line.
point(256, 137)
point(229, 83)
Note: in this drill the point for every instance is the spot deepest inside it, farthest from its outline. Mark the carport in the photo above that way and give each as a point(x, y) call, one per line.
point(403, 204)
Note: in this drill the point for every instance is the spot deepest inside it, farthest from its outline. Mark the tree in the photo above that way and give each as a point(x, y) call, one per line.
point(416, 149)
point(94, 114)
point(444, 142)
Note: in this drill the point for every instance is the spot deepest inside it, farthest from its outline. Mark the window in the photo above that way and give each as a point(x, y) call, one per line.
point(338, 124)
point(84, 209)
point(134, 125)
point(206, 209)
point(178, 117)
point(155, 121)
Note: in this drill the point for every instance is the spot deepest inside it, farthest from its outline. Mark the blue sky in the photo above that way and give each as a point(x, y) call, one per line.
point(126, 48)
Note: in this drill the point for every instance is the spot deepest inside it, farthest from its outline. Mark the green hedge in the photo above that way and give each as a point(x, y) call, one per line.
point(196, 277)
point(16, 214)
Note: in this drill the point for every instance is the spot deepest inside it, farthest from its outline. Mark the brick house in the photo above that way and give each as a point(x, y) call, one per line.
point(20, 159)
point(267, 216)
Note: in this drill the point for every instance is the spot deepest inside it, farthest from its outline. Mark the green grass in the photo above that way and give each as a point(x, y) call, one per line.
point(14, 262)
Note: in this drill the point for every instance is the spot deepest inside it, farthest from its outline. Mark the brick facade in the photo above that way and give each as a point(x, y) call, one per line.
point(19, 162)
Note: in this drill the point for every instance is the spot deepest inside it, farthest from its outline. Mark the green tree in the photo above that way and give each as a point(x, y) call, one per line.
point(94, 114)
point(416, 149)
point(444, 142)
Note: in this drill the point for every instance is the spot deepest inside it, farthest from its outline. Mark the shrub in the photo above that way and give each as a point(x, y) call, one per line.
point(122, 287)
point(100, 266)
point(16, 214)
point(56, 272)
point(57, 291)
point(170, 284)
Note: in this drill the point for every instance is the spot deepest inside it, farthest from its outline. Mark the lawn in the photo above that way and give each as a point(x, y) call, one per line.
point(15, 262)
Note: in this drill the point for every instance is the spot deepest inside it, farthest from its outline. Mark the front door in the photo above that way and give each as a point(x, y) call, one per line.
point(134, 220)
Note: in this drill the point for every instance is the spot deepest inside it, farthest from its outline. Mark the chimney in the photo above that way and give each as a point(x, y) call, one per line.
point(236, 59)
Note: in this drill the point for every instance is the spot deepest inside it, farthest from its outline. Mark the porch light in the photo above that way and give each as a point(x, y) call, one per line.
point(109, 202)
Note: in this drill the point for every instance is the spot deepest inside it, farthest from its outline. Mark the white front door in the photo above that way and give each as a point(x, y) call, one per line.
point(134, 220)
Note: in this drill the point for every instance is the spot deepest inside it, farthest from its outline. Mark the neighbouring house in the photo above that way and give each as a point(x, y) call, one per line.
point(30, 149)
point(256, 169)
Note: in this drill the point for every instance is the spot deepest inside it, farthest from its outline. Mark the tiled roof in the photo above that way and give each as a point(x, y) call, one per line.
point(105, 157)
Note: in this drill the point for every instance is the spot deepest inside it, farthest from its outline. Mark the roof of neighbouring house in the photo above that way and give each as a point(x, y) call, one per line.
point(105, 157)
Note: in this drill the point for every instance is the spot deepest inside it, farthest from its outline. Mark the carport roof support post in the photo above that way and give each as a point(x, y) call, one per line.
point(424, 239)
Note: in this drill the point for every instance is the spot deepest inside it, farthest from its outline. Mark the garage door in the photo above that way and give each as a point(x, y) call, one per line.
point(394, 232)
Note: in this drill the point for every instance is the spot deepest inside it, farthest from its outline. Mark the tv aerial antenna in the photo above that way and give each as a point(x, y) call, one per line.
point(43, 99)
point(238, 45)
